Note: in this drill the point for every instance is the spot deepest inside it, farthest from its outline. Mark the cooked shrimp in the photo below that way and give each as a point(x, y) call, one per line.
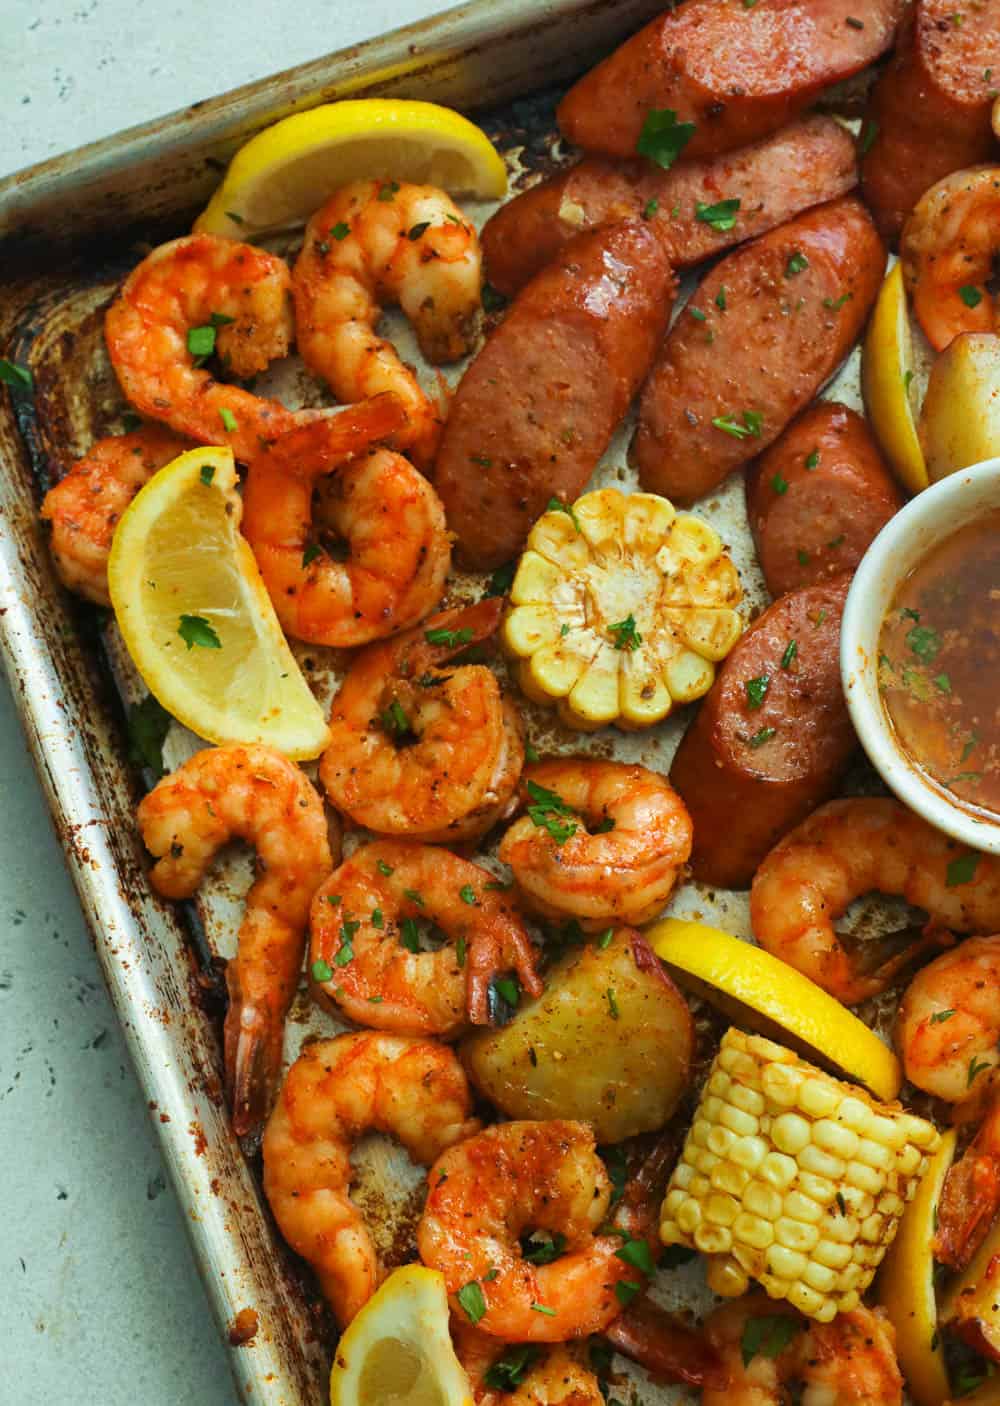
point(364, 931)
point(334, 1093)
point(531, 1375)
point(239, 293)
point(947, 1032)
point(381, 240)
point(258, 795)
point(948, 249)
point(378, 504)
point(85, 505)
point(419, 751)
point(602, 842)
point(845, 849)
point(511, 1179)
point(767, 1346)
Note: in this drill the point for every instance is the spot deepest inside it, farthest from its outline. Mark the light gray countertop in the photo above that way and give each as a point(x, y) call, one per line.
point(100, 1303)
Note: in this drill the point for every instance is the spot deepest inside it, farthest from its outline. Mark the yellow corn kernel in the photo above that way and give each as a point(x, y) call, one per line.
point(726, 1277)
point(755, 1231)
point(790, 1133)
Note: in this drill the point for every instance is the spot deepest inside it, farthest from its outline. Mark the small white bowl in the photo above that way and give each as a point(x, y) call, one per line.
point(904, 541)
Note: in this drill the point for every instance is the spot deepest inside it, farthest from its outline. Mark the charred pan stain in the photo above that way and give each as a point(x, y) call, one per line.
point(243, 1327)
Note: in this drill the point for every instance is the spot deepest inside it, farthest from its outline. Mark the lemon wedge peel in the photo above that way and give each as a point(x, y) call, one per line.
point(398, 1348)
point(284, 174)
point(764, 984)
point(177, 551)
point(905, 1285)
point(886, 373)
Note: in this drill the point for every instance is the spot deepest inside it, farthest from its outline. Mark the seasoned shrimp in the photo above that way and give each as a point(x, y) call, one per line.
point(85, 505)
point(845, 849)
point(381, 240)
point(524, 1374)
point(377, 503)
point(513, 1178)
point(947, 1032)
point(335, 1092)
point(767, 1346)
point(419, 751)
point(948, 249)
point(239, 297)
point(364, 932)
point(255, 793)
point(602, 841)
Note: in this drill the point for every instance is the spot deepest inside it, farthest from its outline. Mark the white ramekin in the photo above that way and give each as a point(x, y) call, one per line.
point(906, 538)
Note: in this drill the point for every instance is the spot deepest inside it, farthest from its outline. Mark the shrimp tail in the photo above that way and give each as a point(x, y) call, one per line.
point(252, 1045)
point(489, 957)
point(968, 1206)
point(330, 441)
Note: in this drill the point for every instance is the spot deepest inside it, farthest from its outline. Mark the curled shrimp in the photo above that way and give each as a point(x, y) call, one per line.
point(766, 1346)
point(602, 841)
point(382, 240)
point(85, 505)
point(239, 293)
point(947, 1031)
point(365, 932)
point(531, 1375)
point(850, 847)
point(948, 250)
point(256, 794)
point(511, 1179)
point(335, 1092)
point(377, 503)
point(420, 751)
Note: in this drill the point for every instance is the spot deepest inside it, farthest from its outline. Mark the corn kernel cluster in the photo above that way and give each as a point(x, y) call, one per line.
point(792, 1178)
point(620, 608)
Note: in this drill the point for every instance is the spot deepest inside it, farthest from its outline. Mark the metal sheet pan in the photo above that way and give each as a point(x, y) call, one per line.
point(69, 229)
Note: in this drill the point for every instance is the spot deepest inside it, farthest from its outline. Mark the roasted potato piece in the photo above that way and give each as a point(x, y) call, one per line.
point(609, 1042)
point(960, 420)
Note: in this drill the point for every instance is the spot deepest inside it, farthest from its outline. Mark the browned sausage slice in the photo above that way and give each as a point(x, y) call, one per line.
point(535, 411)
point(772, 737)
point(818, 498)
point(805, 164)
point(736, 71)
point(929, 113)
point(767, 327)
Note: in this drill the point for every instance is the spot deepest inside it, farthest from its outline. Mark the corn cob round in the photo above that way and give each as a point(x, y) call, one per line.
point(793, 1178)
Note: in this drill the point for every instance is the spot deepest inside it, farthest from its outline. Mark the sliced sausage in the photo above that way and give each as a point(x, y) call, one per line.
point(818, 498)
point(736, 71)
point(535, 411)
point(929, 113)
point(772, 737)
point(805, 164)
point(769, 324)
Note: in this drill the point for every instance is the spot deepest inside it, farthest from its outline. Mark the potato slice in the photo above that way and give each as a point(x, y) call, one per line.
point(609, 1042)
point(960, 420)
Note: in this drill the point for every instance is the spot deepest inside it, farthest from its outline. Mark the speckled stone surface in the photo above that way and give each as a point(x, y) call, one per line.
point(100, 1302)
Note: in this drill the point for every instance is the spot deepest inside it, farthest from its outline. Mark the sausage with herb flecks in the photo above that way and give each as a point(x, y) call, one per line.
point(771, 739)
point(767, 327)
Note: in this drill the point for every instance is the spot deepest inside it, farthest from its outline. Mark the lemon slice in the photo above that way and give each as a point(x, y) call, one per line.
point(398, 1348)
point(886, 374)
point(285, 173)
point(196, 617)
point(740, 978)
point(905, 1285)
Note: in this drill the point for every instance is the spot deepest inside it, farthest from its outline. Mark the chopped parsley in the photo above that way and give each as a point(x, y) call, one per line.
point(394, 719)
point(961, 870)
point(377, 919)
point(12, 373)
point(757, 690)
point(612, 1001)
point(345, 953)
point(866, 140)
point(780, 484)
point(451, 639)
point(663, 138)
point(546, 811)
point(543, 1249)
point(195, 630)
point(720, 299)
point(803, 557)
point(976, 1068)
point(812, 460)
point(509, 1371)
point(206, 473)
point(468, 895)
point(626, 636)
point(721, 215)
point(556, 505)
point(409, 935)
point(759, 738)
point(791, 650)
point(753, 423)
point(650, 208)
point(637, 1254)
point(604, 939)
point(312, 551)
point(835, 304)
point(340, 231)
point(939, 1017)
point(924, 642)
point(626, 1290)
point(471, 1301)
point(383, 868)
point(418, 231)
point(767, 1336)
point(387, 192)
point(228, 419)
point(970, 295)
point(797, 262)
point(507, 989)
point(321, 971)
point(148, 725)
point(502, 579)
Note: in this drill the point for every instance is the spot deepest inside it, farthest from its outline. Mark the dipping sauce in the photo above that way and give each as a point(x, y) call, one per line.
point(939, 664)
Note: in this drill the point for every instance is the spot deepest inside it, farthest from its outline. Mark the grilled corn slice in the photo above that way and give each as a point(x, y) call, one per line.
point(793, 1178)
point(620, 608)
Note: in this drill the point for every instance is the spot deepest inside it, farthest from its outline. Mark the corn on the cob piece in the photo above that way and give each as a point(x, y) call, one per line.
point(620, 608)
point(793, 1178)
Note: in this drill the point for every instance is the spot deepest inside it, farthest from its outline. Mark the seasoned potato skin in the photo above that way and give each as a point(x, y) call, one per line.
point(617, 1061)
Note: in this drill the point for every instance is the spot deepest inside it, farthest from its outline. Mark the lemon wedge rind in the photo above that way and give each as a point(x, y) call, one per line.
point(886, 374)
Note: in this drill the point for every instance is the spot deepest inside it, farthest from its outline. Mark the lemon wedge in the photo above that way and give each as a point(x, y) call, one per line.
point(751, 986)
point(196, 617)
point(905, 1285)
point(886, 374)
point(285, 173)
point(398, 1348)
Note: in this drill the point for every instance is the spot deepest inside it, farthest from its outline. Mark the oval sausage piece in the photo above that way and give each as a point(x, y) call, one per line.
point(736, 71)
point(929, 113)
point(805, 164)
point(818, 498)
point(535, 410)
point(771, 739)
point(767, 327)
